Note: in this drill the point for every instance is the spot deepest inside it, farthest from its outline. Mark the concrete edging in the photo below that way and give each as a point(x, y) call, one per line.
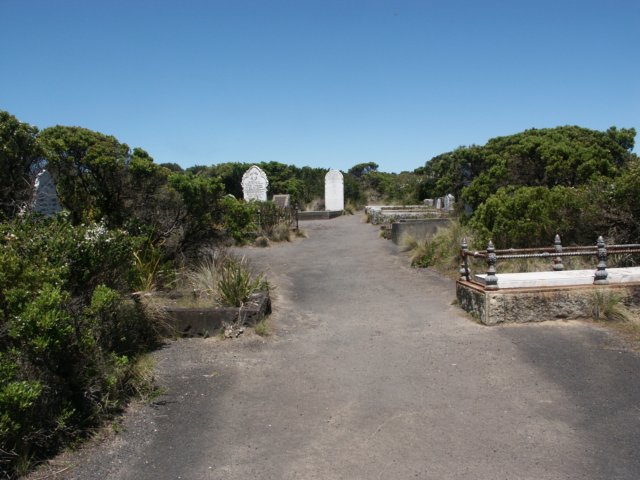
point(192, 321)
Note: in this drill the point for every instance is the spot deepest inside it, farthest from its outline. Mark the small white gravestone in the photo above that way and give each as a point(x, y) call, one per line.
point(45, 197)
point(333, 191)
point(439, 203)
point(254, 184)
point(428, 202)
point(449, 201)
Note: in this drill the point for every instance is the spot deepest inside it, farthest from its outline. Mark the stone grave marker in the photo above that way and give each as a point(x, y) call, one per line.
point(439, 203)
point(333, 191)
point(45, 197)
point(282, 201)
point(254, 184)
point(449, 202)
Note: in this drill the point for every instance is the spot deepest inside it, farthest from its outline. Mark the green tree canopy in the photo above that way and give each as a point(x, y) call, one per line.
point(88, 168)
point(568, 156)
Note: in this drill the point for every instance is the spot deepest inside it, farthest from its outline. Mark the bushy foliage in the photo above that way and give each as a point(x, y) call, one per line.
point(567, 156)
point(68, 332)
point(531, 217)
point(20, 154)
point(239, 218)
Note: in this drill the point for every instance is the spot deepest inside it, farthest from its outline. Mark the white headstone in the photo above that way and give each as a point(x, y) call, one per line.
point(439, 202)
point(333, 191)
point(449, 201)
point(254, 184)
point(45, 197)
point(428, 202)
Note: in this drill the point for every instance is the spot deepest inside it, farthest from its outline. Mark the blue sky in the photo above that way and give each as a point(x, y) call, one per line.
point(319, 83)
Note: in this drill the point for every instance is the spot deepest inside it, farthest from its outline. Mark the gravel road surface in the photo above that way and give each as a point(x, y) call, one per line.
point(372, 373)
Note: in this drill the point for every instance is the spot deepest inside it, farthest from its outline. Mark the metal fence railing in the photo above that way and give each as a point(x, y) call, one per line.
point(556, 253)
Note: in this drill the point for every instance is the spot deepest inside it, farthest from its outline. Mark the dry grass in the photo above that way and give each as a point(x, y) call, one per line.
point(263, 327)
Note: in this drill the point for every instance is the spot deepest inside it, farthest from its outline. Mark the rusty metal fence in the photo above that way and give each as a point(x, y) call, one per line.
point(556, 253)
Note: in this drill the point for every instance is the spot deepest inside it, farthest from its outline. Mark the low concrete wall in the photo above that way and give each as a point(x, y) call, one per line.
point(523, 305)
point(200, 321)
point(319, 215)
point(418, 229)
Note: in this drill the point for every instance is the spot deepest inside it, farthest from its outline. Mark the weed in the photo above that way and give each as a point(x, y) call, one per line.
point(281, 232)
point(261, 242)
point(263, 327)
point(147, 266)
point(607, 306)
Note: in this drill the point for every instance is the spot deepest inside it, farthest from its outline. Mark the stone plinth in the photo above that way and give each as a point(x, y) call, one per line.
point(524, 305)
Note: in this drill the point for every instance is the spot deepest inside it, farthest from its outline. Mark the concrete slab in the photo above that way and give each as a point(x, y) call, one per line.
point(561, 279)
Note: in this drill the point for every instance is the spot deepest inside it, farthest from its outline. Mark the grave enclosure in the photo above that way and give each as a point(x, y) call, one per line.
point(415, 221)
point(495, 298)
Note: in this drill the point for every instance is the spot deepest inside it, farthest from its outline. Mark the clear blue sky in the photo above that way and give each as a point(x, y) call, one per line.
point(322, 83)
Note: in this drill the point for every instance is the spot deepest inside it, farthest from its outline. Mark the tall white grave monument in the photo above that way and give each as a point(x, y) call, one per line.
point(254, 184)
point(45, 197)
point(333, 191)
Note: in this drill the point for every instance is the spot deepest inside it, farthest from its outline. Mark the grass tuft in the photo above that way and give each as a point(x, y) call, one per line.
point(263, 327)
point(607, 306)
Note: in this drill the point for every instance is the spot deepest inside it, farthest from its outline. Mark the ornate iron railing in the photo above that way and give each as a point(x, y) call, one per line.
point(556, 253)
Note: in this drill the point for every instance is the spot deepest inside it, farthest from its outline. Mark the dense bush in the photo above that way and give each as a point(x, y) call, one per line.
point(69, 334)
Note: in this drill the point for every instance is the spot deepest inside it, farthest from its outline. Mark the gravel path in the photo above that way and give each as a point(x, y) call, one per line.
point(373, 374)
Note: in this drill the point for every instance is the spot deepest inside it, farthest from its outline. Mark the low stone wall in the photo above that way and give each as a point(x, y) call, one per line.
point(418, 229)
point(523, 305)
point(199, 321)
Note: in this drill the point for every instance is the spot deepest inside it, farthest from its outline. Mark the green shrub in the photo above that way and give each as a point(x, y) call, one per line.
point(69, 333)
point(239, 218)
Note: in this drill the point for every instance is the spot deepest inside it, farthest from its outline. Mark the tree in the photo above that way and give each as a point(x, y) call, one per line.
point(362, 169)
point(89, 169)
point(20, 155)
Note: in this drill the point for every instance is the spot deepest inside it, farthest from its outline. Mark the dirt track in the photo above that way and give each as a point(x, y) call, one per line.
point(373, 374)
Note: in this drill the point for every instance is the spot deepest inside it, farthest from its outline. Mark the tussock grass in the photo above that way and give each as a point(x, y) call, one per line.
point(608, 306)
point(441, 251)
point(237, 283)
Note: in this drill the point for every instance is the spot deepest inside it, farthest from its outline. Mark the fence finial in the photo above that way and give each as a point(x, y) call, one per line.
point(601, 273)
point(491, 280)
point(557, 262)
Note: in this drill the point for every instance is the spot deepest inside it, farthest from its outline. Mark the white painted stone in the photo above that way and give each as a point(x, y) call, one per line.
point(254, 184)
point(45, 197)
point(334, 191)
point(449, 202)
point(561, 279)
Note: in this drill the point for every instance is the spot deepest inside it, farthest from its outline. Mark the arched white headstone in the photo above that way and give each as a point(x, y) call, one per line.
point(333, 191)
point(254, 184)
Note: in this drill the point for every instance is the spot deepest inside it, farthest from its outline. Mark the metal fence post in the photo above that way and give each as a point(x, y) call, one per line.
point(464, 264)
point(601, 273)
point(491, 280)
point(557, 262)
